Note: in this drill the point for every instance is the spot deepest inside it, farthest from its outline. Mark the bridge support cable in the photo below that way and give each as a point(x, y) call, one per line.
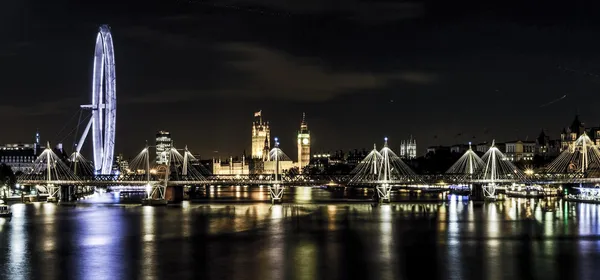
point(183, 165)
point(194, 163)
point(81, 166)
point(582, 156)
point(462, 172)
point(50, 169)
point(368, 169)
point(140, 165)
point(467, 165)
point(498, 169)
point(394, 169)
point(383, 167)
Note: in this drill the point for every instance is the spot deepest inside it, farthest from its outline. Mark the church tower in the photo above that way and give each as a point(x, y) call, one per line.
point(303, 144)
point(261, 135)
point(408, 148)
point(411, 148)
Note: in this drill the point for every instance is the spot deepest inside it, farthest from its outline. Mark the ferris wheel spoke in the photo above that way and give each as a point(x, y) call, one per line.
point(104, 103)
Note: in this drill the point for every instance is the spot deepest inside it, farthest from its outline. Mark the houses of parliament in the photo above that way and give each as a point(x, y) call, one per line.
point(262, 159)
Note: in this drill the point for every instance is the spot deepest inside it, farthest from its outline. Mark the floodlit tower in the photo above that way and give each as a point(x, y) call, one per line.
point(411, 148)
point(260, 132)
point(303, 144)
point(163, 146)
point(36, 145)
point(408, 148)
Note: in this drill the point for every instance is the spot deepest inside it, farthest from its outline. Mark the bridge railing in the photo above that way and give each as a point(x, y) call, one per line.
point(315, 179)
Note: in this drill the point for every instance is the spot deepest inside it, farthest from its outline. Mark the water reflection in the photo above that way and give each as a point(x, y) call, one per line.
point(148, 248)
point(457, 239)
point(275, 234)
point(18, 241)
point(386, 236)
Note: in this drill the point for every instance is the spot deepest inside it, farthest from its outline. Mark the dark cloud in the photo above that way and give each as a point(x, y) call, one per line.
point(38, 109)
point(275, 74)
point(364, 11)
point(200, 70)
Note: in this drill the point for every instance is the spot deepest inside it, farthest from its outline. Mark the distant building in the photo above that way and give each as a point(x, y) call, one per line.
point(320, 161)
point(20, 157)
point(303, 144)
point(261, 136)
point(122, 164)
point(594, 134)
point(437, 149)
point(569, 135)
point(459, 148)
point(354, 157)
point(482, 147)
point(408, 149)
point(36, 144)
point(231, 166)
point(164, 143)
point(520, 150)
point(284, 165)
point(545, 147)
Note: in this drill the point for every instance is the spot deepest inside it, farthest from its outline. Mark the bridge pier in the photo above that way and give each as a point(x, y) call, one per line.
point(489, 191)
point(383, 193)
point(67, 196)
point(156, 196)
point(477, 192)
point(276, 192)
point(174, 194)
point(53, 193)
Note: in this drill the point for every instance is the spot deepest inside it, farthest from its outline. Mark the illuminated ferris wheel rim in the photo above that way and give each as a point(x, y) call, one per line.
point(104, 104)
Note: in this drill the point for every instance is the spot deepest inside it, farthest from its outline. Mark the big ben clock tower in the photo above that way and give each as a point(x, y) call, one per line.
point(303, 144)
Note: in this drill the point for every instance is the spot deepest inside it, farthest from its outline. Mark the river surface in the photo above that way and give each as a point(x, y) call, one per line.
point(455, 239)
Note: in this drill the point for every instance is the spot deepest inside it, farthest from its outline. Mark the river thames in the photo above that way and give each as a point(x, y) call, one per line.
point(301, 239)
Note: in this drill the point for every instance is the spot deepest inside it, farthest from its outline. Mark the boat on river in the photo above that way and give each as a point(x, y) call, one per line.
point(5, 211)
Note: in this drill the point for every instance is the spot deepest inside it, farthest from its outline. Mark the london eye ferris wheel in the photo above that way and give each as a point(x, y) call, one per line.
point(103, 105)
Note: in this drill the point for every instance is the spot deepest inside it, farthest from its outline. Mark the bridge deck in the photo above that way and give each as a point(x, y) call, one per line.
point(300, 180)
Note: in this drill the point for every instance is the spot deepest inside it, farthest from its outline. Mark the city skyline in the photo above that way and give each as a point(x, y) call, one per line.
point(299, 139)
point(420, 150)
point(176, 73)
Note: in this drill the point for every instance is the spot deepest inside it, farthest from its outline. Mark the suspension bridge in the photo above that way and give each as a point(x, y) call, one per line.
point(381, 170)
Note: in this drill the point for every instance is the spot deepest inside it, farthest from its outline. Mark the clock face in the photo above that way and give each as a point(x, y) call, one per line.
point(305, 141)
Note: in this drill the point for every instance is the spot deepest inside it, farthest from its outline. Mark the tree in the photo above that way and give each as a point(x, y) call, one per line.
point(293, 172)
point(7, 176)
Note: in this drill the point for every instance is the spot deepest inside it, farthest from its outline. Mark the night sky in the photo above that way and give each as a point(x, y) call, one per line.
point(361, 70)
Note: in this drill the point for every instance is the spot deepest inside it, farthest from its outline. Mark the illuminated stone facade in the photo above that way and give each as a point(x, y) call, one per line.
point(261, 135)
point(408, 149)
point(231, 167)
point(284, 165)
point(519, 150)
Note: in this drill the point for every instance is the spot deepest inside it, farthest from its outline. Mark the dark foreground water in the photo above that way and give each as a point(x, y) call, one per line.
point(515, 239)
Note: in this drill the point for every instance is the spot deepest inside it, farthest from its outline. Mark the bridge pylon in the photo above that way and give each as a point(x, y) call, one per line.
point(498, 170)
point(276, 189)
point(582, 156)
point(384, 189)
point(49, 170)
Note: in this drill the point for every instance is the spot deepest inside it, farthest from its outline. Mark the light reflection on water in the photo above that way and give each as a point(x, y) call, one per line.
point(517, 238)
